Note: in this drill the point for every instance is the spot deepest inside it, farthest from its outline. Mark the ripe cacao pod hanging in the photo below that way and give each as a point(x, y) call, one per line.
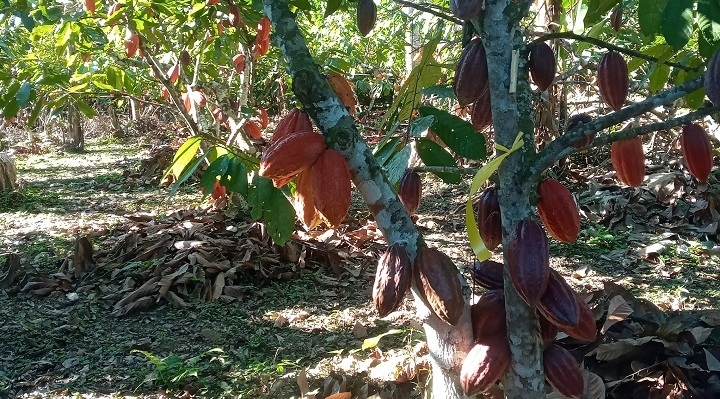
point(436, 279)
point(263, 117)
point(575, 121)
point(628, 160)
point(481, 115)
point(558, 211)
point(697, 151)
point(344, 90)
point(410, 191)
point(253, 130)
point(613, 80)
point(285, 158)
point(234, 15)
point(132, 42)
point(485, 363)
point(295, 121)
point(184, 58)
point(392, 279)
point(366, 16)
point(559, 302)
point(563, 372)
point(586, 330)
point(471, 73)
point(304, 203)
point(488, 316)
point(487, 218)
point(466, 9)
point(616, 18)
point(90, 6)
point(239, 62)
point(542, 65)
point(712, 79)
point(331, 186)
point(487, 274)
point(528, 259)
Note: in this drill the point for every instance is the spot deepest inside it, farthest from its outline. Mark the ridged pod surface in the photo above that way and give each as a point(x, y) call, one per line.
point(295, 121)
point(528, 259)
point(487, 274)
point(586, 330)
point(548, 330)
point(558, 211)
point(575, 121)
point(628, 159)
point(697, 151)
point(542, 65)
point(712, 79)
point(481, 114)
point(285, 158)
point(559, 302)
point(410, 191)
point(366, 16)
point(392, 279)
point(616, 18)
point(435, 277)
point(562, 371)
point(471, 73)
point(487, 218)
point(613, 80)
point(331, 186)
point(488, 316)
point(466, 9)
point(484, 364)
point(304, 203)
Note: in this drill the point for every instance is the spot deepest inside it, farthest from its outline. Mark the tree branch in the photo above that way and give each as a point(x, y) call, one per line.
point(603, 44)
point(562, 146)
point(427, 9)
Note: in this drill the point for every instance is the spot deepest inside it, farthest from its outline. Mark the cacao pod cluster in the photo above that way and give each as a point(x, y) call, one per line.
point(471, 83)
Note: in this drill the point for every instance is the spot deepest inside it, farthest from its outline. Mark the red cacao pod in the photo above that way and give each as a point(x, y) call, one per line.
point(304, 203)
point(586, 330)
point(174, 73)
point(487, 218)
point(239, 62)
point(263, 117)
point(253, 130)
point(295, 121)
point(712, 79)
point(548, 330)
point(616, 18)
point(697, 151)
point(528, 259)
point(559, 302)
point(481, 115)
point(234, 15)
point(366, 16)
point(613, 80)
point(542, 65)
point(132, 41)
point(263, 29)
point(628, 159)
point(575, 121)
point(487, 274)
point(410, 191)
point(283, 159)
point(563, 372)
point(485, 363)
point(392, 279)
point(558, 211)
point(90, 6)
point(436, 279)
point(466, 9)
point(331, 185)
point(471, 73)
point(488, 316)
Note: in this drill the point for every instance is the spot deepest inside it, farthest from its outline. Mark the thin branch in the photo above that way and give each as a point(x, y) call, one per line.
point(429, 10)
point(601, 43)
point(445, 169)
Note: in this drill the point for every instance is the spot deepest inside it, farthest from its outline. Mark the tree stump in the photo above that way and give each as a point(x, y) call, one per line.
point(8, 173)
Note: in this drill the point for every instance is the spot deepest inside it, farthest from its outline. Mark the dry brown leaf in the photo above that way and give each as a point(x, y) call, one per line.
point(618, 310)
point(219, 285)
point(712, 362)
point(619, 348)
point(175, 300)
point(83, 257)
point(149, 287)
point(594, 386)
point(10, 271)
point(132, 307)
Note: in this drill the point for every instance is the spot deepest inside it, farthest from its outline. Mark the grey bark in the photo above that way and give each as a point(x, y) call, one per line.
point(75, 132)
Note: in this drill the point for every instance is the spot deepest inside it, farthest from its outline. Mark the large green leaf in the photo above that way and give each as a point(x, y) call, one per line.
point(332, 6)
point(23, 94)
point(458, 134)
point(708, 20)
point(433, 155)
point(396, 165)
point(183, 156)
point(650, 14)
point(658, 77)
point(270, 204)
point(236, 178)
point(677, 23)
point(597, 9)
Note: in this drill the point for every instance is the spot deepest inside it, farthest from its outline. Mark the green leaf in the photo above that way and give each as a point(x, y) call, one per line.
point(650, 14)
point(658, 77)
point(458, 134)
point(183, 156)
point(65, 35)
point(390, 147)
point(370, 343)
point(23, 94)
point(332, 6)
point(708, 19)
point(396, 165)
point(677, 23)
point(39, 104)
point(302, 4)
point(213, 173)
point(186, 174)
point(695, 99)
point(270, 204)
point(420, 125)
point(236, 179)
point(86, 109)
point(597, 9)
point(11, 109)
point(433, 155)
point(440, 91)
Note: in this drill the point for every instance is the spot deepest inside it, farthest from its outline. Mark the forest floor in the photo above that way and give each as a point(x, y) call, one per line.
point(309, 327)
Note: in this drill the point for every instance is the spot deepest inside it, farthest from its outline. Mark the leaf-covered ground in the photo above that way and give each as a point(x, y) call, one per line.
point(240, 317)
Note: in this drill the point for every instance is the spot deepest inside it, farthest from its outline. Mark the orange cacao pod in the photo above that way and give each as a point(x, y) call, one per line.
point(263, 117)
point(558, 211)
point(562, 371)
point(331, 182)
point(239, 62)
point(283, 159)
point(174, 73)
point(528, 260)
point(628, 160)
point(132, 41)
point(410, 191)
point(542, 65)
point(253, 130)
point(559, 302)
point(343, 89)
point(586, 330)
point(295, 121)
point(712, 79)
point(575, 121)
point(471, 73)
point(488, 316)
point(487, 218)
point(392, 279)
point(304, 203)
point(697, 151)
point(90, 6)
point(366, 16)
point(613, 80)
point(616, 18)
point(481, 115)
point(485, 363)
point(487, 274)
point(435, 277)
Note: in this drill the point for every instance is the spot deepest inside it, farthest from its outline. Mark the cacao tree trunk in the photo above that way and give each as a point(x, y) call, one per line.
point(8, 173)
point(75, 132)
point(117, 131)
